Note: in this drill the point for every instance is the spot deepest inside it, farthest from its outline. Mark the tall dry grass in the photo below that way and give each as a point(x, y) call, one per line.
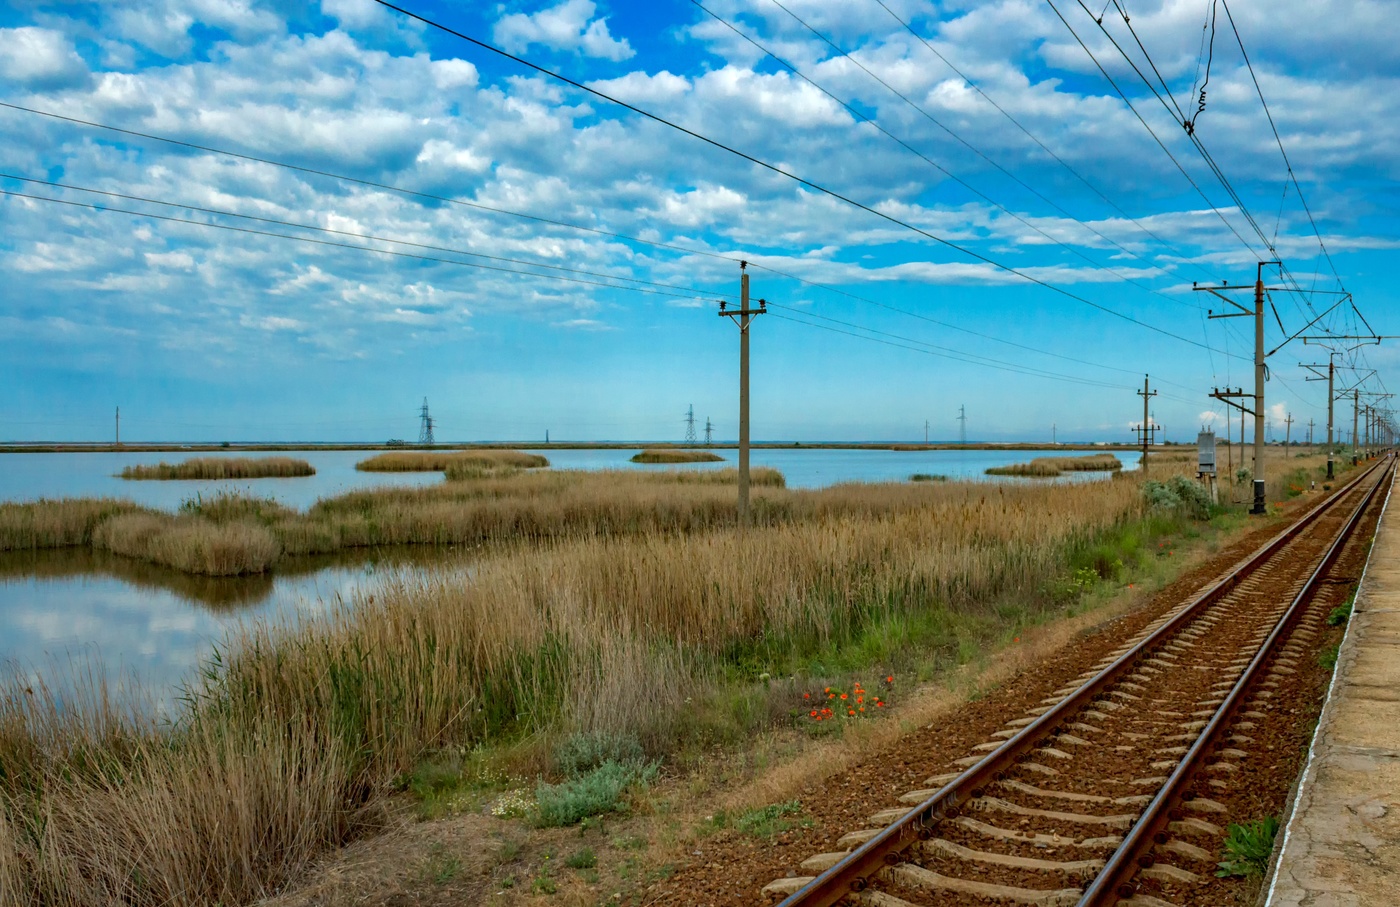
point(100, 805)
point(231, 534)
point(285, 745)
point(223, 468)
point(189, 543)
point(56, 523)
point(672, 455)
point(438, 461)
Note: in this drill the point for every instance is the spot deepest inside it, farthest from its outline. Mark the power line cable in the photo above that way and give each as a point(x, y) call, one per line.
point(341, 245)
point(1019, 125)
point(1150, 130)
point(550, 221)
point(701, 293)
point(946, 352)
point(1273, 126)
point(951, 133)
point(1174, 110)
point(773, 168)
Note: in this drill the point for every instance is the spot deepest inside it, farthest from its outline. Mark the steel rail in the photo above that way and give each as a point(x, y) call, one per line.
point(852, 872)
point(1114, 881)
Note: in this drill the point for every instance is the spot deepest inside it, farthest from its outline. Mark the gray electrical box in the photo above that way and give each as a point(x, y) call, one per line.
point(1205, 453)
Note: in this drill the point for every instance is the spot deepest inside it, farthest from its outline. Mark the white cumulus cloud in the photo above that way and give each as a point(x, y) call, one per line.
point(41, 59)
point(568, 26)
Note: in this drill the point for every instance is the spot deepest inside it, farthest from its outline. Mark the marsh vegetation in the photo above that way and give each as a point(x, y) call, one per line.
point(442, 461)
point(625, 607)
point(1049, 467)
point(669, 455)
point(223, 468)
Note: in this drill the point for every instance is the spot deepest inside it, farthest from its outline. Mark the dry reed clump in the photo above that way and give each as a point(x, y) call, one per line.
point(56, 524)
point(439, 461)
point(280, 750)
point(223, 468)
point(667, 455)
point(191, 544)
point(1047, 467)
point(230, 533)
point(110, 808)
point(759, 476)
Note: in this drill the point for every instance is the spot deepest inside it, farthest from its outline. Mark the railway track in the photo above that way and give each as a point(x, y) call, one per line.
point(1109, 792)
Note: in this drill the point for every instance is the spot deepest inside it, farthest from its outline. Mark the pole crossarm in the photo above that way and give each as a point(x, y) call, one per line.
point(1227, 397)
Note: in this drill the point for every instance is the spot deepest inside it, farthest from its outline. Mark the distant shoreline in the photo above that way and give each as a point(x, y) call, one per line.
point(71, 447)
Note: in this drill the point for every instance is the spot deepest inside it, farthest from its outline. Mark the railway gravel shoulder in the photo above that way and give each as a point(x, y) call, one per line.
point(729, 869)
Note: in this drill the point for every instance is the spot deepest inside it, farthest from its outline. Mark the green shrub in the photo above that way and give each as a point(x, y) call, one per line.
point(1178, 493)
point(580, 754)
point(1340, 614)
point(602, 790)
point(1248, 848)
point(1328, 658)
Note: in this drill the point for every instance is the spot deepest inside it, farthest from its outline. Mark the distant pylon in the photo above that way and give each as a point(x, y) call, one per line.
point(690, 425)
point(709, 431)
point(962, 424)
point(425, 429)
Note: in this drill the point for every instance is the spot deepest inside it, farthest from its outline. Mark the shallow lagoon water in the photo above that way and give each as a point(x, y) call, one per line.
point(126, 620)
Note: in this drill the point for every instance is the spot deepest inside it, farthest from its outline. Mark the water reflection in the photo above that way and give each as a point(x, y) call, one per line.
point(129, 621)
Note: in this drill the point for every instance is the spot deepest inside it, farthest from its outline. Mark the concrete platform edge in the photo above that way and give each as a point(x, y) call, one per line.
point(1284, 888)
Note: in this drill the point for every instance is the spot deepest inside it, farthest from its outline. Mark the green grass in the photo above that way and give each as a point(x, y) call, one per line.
point(769, 821)
point(441, 867)
point(1328, 658)
point(582, 859)
point(1248, 848)
point(1340, 614)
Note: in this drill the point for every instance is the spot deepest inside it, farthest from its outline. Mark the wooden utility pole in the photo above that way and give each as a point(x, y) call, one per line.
point(1310, 438)
point(1288, 431)
point(1147, 431)
point(743, 318)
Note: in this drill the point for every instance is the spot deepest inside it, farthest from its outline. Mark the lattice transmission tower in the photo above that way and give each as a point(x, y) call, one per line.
point(690, 425)
point(709, 431)
point(425, 428)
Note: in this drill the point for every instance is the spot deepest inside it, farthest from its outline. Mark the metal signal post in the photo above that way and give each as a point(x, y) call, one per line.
point(1259, 368)
point(743, 318)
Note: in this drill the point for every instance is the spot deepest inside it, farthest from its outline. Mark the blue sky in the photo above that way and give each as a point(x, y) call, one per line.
point(201, 333)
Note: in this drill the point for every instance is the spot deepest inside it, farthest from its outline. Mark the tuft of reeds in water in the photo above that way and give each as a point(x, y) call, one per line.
point(668, 455)
point(231, 534)
point(223, 468)
point(1046, 467)
point(440, 461)
point(190, 543)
